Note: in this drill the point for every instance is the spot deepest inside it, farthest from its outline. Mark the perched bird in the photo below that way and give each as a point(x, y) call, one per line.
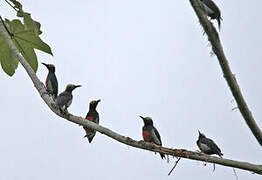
point(64, 99)
point(207, 146)
point(93, 116)
point(213, 11)
point(51, 83)
point(150, 133)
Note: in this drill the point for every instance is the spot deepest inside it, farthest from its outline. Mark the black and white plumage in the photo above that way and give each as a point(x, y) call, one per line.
point(64, 100)
point(93, 116)
point(208, 146)
point(51, 83)
point(150, 133)
point(212, 11)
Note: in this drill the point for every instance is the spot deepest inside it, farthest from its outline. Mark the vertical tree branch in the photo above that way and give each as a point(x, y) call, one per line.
point(217, 48)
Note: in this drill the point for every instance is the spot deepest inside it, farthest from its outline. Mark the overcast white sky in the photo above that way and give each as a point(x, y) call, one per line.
point(141, 57)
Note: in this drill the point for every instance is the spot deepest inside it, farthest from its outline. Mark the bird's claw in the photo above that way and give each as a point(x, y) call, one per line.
point(64, 111)
point(54, 105)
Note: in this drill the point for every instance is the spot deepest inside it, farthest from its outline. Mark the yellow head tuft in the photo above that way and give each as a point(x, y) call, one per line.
point(148, 118)
point(69, 86)
point(51, 65)
point(95, 102)
point(92, 102)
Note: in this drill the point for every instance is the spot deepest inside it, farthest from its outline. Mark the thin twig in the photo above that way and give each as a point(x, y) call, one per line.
point(174, 166)
point(235, 173)
point(235, 108)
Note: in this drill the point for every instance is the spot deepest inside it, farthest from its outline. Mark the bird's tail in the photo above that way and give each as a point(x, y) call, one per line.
point(162, 156)
point(90, 137)
point(219, 19)
point(220, 154)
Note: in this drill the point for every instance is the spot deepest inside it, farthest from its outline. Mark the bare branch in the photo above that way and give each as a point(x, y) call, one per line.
point(213, 37)
point(174, 166)
point(235, 173)
point(120, 138)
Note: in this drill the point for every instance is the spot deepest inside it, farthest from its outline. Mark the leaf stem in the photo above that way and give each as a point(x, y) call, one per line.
point(11, 5)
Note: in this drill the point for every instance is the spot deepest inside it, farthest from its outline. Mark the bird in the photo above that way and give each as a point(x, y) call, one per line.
point(64, 99)
point(51, 83)
point(213, 11)
point(93, 116)
point(150, 133)
point(208, 146)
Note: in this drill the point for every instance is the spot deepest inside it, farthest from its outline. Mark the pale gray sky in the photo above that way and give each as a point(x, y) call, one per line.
point(140, 57)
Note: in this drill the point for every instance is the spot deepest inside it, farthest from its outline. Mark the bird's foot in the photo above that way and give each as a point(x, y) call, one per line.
point(43, 85)
point(64, 111)
point(54, 105)
point(45, 92)
point(53, 97)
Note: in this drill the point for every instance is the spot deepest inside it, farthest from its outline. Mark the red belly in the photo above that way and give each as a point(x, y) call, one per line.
point(89, 118)
point(46, 84)
point(88, 131)
point(146, 136)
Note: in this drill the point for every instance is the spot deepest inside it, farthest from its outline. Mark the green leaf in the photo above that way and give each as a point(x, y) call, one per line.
point(21, 32)
point(17, 5)
point(28, 21)
point(31, 25)
point(8, 61)
point(20, 14)
point(28, 52)
point(26, 39)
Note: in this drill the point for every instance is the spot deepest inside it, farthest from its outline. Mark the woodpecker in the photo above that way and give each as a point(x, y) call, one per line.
point(207, 146)
point(64, 99)
point(150, 133)
point(93, 116)
point(212, 11)
point(51, 83)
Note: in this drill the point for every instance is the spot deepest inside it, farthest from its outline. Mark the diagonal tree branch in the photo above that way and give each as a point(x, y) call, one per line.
point(120, 138)
point(213, 37)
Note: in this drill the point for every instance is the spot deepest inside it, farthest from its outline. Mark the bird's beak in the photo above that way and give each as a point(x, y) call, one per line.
point(199, 132)
point(45, 65)
point(98, 101)
point(144, 120)
point(76, 86)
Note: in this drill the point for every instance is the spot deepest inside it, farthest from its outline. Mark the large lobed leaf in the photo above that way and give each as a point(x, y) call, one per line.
point(26, 39)
point(8, 62)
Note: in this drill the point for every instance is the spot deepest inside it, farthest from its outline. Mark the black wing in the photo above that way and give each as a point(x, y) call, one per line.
point(157, 135)
point(212, 6)
point(54, 84)
point(210, 143)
